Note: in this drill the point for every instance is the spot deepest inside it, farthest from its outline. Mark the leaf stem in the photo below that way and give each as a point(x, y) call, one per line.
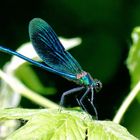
point(126, 103)
point(20, 88)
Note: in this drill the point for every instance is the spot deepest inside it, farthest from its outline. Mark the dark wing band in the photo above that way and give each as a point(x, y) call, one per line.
point(49, 48)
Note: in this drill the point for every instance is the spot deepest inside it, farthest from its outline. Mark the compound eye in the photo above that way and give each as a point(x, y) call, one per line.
point(98, 86)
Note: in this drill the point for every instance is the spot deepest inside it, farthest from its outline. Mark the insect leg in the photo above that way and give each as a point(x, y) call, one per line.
point(94, 108)
point(81, 100)
point(69, 92)
point(92, 95)
point(90, 100)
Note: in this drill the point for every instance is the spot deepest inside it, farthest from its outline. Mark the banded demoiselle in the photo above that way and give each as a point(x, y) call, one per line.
point(57, 60)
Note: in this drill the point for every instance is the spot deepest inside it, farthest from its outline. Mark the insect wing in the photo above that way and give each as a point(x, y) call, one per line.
point(50, 49)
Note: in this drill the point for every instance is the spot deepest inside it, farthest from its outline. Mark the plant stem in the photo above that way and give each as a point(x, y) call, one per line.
point(20, 88)
point(126, 103)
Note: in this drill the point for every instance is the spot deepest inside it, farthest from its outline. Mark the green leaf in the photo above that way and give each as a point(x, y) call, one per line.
point(107, 130)
point(133, 60)
point(27, 75)
point(46, 124)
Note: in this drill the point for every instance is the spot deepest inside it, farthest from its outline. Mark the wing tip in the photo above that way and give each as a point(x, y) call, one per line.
point(36, 21)
point(37, 24)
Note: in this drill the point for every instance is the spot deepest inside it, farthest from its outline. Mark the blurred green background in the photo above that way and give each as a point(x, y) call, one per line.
point(105, 28)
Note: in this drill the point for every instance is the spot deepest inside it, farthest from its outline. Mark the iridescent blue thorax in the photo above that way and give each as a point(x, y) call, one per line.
point(85, 79)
